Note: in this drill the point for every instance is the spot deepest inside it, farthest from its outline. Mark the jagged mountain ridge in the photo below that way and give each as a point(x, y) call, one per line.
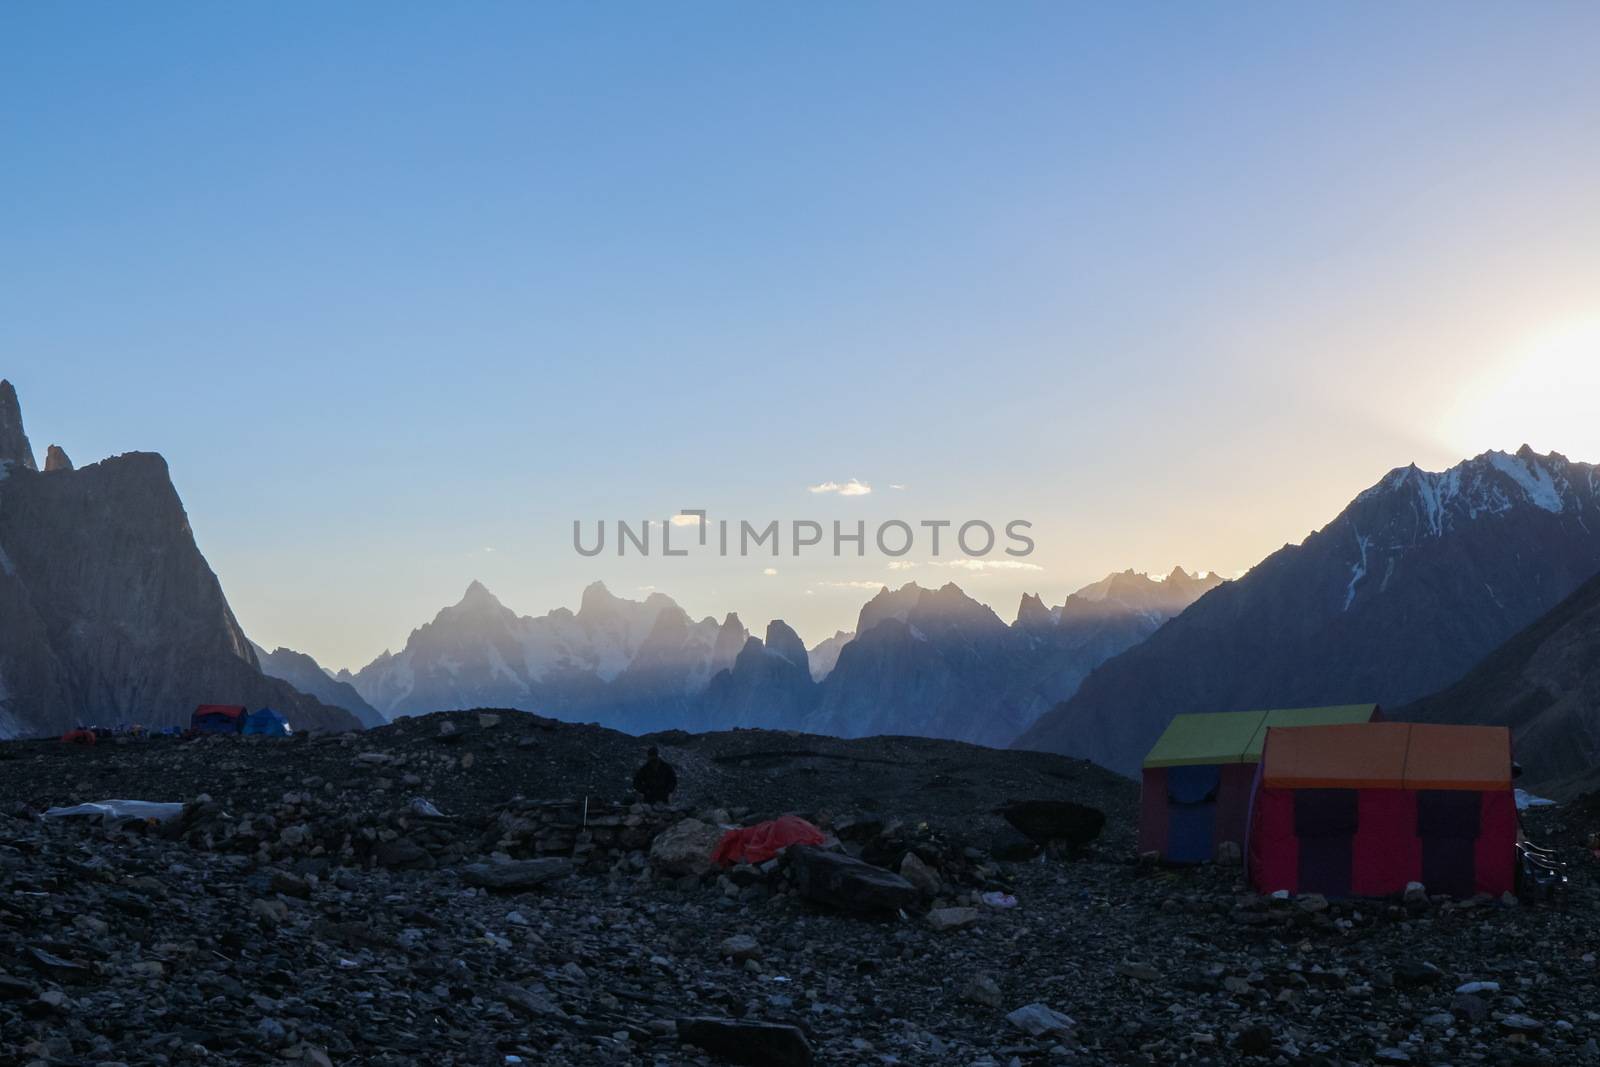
point(646, 665)
point(615, 654)
point(1412, 583)
point(108, 611)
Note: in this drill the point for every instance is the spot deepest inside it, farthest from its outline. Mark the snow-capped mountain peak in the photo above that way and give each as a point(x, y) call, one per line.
point(1491, 483)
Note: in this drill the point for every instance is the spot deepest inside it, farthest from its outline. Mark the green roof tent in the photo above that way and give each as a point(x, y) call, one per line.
point(1198, 777)
point(1237, 736)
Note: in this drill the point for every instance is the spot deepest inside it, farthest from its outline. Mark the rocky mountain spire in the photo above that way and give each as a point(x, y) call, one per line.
point(783, 641)
point(55, 459)
point(14, 447)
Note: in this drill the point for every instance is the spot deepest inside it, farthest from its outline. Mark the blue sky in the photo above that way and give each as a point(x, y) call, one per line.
point(400, 290)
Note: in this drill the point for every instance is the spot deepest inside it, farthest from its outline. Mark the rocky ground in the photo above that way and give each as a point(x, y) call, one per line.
point(305, 909)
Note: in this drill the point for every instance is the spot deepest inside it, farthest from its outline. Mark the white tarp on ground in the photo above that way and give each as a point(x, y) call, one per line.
point(1526, 800)
point(119, 810)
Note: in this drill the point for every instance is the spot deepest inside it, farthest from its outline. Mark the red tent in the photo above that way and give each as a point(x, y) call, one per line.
point(1362, 810)
point(217, 719)
point(764, 840)
point(80, 736)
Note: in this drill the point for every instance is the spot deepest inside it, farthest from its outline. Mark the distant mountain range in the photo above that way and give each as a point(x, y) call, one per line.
point(1469, 595)
point(108, 611)
point(1418, 579)
point(920, 662)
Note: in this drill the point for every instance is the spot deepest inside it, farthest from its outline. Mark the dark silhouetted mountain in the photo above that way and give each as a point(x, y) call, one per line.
point(306, 675)
point(1544, 683)
point(936, 663)
point(14, 447)
point(769, 682)
point(108, 611)
point(926, 662)
point(1415, 581)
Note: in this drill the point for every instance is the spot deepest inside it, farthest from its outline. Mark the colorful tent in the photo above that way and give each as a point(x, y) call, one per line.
point(764, 840)
point(217, 719)
point(1364, 810)
point(267, 723)
point(1197, 778)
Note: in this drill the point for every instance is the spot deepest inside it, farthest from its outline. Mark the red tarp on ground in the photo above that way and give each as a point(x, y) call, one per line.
point(764, 840)
point(79, 737)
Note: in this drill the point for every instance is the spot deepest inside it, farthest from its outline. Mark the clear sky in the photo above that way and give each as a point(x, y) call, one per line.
point(401, 290)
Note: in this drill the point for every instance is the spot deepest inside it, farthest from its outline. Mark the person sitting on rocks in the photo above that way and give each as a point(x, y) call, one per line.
point(656, 780)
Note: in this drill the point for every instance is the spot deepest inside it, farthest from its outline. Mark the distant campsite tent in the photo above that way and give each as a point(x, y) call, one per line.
point(1363, 810)
point(1197, 778)
point(268, 723)
point(217, 719)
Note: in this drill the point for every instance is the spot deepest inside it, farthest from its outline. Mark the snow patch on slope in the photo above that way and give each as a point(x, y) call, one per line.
point(1359, 570)
point(1533, 478)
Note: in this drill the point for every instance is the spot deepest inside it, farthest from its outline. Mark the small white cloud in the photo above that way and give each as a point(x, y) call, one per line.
point(686, 520)
point(852, 585)
point(853, 487)
point(769, 571)
point(901, 564)
point(644, 588)
point(894, 486)
point(978, 566)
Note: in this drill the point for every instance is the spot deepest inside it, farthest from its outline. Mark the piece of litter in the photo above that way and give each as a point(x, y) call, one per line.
point(119, 811)
point(1526, 800)
point(1479, 987)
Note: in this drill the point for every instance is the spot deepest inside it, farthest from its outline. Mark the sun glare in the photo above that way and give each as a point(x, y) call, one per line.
point(1545, 394)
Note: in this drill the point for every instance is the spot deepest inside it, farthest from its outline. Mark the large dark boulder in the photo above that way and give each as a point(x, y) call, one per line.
point(1055, 820)
point(757, 1044)
point(840, 881)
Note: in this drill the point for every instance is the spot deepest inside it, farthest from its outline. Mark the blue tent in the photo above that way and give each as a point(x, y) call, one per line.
point(267, 723)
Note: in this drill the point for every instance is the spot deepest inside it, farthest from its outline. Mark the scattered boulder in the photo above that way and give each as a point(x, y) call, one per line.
point(739, 948)
point(403, 854)
point(843, 882)
point(16, 989)
point(754, 1043)
point(1517, 1023)
point(984, 990)
point(1416, 975)
point(1254, 1041)
point(1469, 1008)
point(942, 919)
point(517, 874)
point(52, 966)
point(686, 849)
point(919, 874)
point(1044, 821)
point(1038, 1020)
